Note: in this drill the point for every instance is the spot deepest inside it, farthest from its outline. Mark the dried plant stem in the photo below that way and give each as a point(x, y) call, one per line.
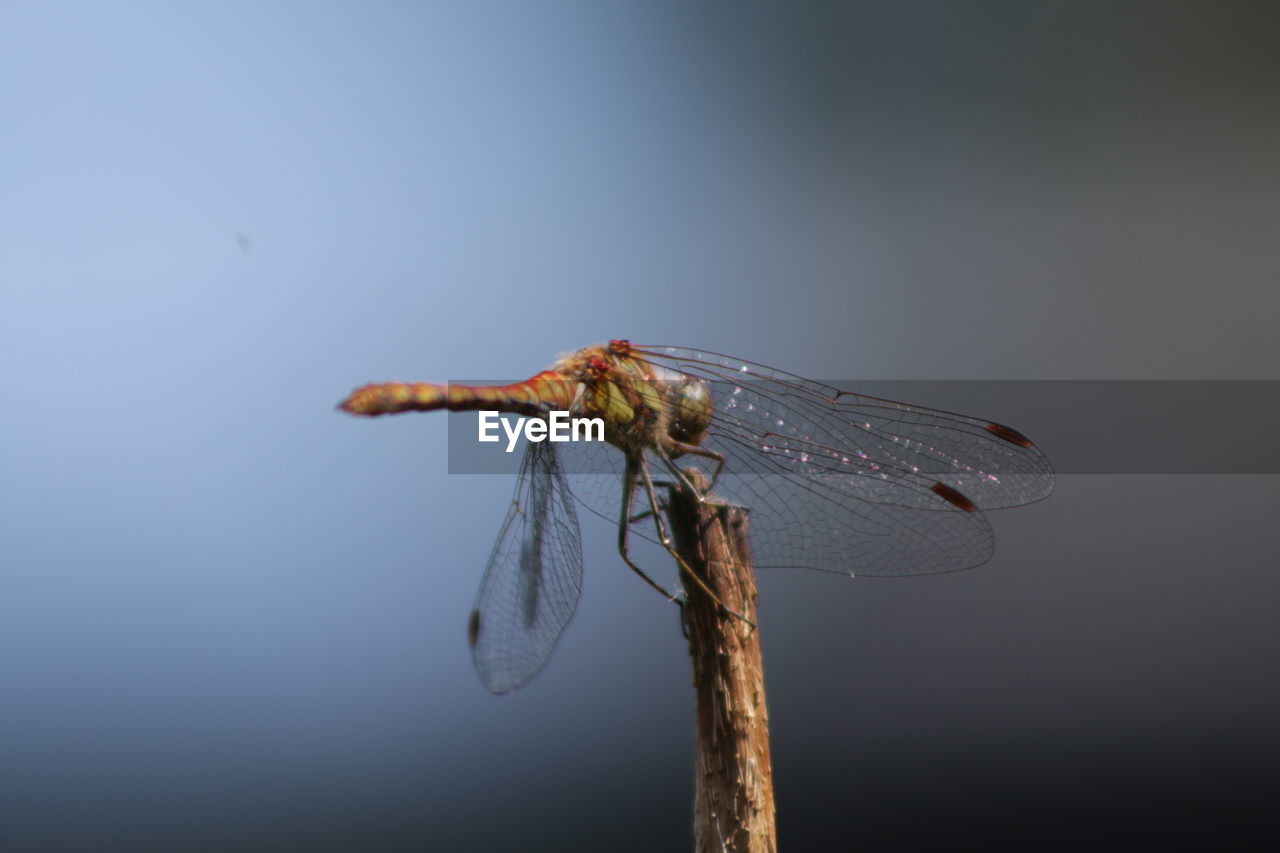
point(733, 802)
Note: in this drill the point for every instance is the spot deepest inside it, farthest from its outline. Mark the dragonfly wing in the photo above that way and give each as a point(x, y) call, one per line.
point(534, 577)
point(807, 512)
point(805, 515)
point(809, 508)
point(854, 484)
point(994, 466)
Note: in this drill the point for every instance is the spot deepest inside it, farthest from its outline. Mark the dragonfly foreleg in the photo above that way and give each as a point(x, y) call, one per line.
point(681, 477)
point(666, 542)
point(679, 448)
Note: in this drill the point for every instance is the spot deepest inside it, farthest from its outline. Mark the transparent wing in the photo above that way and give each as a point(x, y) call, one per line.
point(534, 576)
point(848, 483)
point(993, 465)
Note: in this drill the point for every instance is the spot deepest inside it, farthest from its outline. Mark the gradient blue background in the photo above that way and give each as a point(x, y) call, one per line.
point(232, 618)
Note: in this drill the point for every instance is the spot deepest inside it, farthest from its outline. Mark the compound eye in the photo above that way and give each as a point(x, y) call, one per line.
point(693, 411)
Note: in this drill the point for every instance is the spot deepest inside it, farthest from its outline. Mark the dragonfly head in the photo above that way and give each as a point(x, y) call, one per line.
point(693, 411)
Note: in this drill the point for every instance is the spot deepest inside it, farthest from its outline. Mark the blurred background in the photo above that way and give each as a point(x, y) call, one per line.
point(233, 618)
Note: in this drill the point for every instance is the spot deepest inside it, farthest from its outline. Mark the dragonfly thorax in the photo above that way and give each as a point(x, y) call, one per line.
point(642, 406)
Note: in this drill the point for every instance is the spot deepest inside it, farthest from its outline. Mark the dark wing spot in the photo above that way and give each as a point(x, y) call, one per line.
point(1009, 434)
point(473, 628)
point(954, 497)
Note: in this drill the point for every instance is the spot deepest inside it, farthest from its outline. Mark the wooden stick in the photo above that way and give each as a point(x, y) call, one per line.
point(733, 801)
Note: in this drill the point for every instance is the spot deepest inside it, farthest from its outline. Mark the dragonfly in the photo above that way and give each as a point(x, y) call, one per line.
point(835, 481)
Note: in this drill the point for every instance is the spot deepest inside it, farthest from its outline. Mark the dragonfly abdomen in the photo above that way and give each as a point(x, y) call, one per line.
point(546, 391)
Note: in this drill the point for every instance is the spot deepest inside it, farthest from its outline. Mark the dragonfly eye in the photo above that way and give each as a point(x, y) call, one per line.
point(693, 411)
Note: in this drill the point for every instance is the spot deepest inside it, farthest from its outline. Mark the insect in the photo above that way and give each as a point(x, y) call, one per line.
point(835, 481)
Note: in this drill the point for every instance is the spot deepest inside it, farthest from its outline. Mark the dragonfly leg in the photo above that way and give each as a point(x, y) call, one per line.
point(682, 449)
point(640, 516)
point(624, 524)
point(703, 494)
point(666, 543)
point(680, 476)
point(662, 504)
